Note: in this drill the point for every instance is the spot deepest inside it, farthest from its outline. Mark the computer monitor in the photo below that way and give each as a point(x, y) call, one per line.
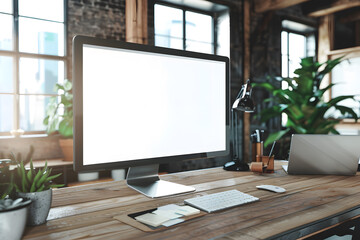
point(138, 106)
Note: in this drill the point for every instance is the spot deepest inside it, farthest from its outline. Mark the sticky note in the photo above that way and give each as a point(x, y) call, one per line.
point(173, 222)
point(171, 214)
point(187, 210)
point(152, 219)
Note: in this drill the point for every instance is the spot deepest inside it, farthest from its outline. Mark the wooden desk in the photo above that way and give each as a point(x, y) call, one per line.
point(311, 203)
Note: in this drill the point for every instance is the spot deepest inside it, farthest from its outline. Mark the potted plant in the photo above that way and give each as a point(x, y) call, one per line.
point(303, 103)
point(59, 118)
point(35, 185)
point(12, 212)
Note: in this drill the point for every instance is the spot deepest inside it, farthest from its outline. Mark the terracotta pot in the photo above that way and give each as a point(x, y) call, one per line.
point(67, 148)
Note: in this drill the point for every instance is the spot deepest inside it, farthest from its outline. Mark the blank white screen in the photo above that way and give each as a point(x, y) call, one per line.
point(140, 105)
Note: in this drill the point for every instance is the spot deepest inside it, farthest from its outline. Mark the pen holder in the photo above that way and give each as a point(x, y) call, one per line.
point(263, 164)
point(257, 150)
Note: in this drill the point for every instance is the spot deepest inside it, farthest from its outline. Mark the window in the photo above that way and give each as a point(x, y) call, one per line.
point(297, 41)
point(184, 28)
point(32, 61)
point(346, 76)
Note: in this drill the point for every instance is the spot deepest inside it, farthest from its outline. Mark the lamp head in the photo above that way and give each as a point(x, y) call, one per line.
point(243, 101)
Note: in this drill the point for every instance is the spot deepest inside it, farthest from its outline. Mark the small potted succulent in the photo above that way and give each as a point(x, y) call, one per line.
point(12, 212)
point(59, 118)
point(35, 185)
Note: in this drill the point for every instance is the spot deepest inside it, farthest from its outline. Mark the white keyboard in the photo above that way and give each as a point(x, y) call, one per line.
point(222, 200)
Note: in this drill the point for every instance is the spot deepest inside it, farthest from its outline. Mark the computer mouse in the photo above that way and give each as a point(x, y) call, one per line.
point(272, 188)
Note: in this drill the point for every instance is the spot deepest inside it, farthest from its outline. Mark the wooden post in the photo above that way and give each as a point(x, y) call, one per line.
point(136, 21)
point(357, 33)
point(326, 30)
point(246, 75)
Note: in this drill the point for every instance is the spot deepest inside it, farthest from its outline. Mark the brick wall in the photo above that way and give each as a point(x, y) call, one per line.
point(97, 18)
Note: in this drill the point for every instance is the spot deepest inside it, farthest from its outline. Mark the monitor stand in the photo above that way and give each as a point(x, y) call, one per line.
point(145, 179)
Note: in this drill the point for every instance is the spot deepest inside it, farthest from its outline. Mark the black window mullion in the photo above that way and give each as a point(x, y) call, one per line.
point(288, 53)
point(16, 77)
point(214, 33)
point(16, 26)
point(184, 29)
point(65, 39)
point(16, 54)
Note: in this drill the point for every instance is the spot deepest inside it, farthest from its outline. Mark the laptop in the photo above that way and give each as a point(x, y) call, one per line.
point(323, 154)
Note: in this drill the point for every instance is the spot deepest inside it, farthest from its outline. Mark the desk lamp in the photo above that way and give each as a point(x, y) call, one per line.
point(244, 103)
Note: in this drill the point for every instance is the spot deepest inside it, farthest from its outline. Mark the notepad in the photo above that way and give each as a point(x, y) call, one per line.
point(173, 222)
point(187, 210)
point(171, 214)
point(152, 219)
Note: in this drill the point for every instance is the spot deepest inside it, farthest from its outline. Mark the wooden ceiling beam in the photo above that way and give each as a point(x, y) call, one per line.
point(261, 6)
point(326, 7)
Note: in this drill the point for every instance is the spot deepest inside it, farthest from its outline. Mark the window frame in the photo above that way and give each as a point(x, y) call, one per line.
point(346, 53)
point(183, 8)
point(283, 118)
point(16, 55)
point(288, 31)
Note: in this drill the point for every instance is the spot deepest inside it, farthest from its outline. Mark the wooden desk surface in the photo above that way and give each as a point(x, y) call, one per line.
point(310, 203)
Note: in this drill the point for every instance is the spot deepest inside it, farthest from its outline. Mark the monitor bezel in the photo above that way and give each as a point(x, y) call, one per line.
point(78, 43)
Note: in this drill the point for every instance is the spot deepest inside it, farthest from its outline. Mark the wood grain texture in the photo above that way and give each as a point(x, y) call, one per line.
point(325, 43)
point(267, 5)
point(136, 21)
point(247, 68)
point(88, 211)
point(323, 8)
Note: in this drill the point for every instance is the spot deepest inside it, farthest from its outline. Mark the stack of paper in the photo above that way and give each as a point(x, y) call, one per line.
point(152, 219)
point(167, 215)
point(187, 210)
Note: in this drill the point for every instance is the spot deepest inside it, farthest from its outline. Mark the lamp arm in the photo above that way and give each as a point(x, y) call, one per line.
point(241, 93)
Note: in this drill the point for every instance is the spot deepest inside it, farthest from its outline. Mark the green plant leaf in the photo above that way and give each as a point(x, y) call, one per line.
point(282, 96)
point(59, 87)
point(319, 93)
point(24, 183)
point(297, 127)
point(56, 185)
point(295, 112)
point(66, 128)
point(289, 81)
point(334, 131)
point(36, 179)
point(55, 120)
point(344, 110)
point(275, 136)
point(269, 113)
point(267, 86)
point(43, 178)
point(67, 85)
point(53, 177)
point(326, 127)
point(41, 188)
point(303, 101)
point(317, 115)
point(338, 99)
point(305, 84)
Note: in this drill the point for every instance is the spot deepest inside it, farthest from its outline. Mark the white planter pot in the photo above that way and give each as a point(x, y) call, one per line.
point(12, 223)
point(118, 174)
point(40, 206)
point(90, 176)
